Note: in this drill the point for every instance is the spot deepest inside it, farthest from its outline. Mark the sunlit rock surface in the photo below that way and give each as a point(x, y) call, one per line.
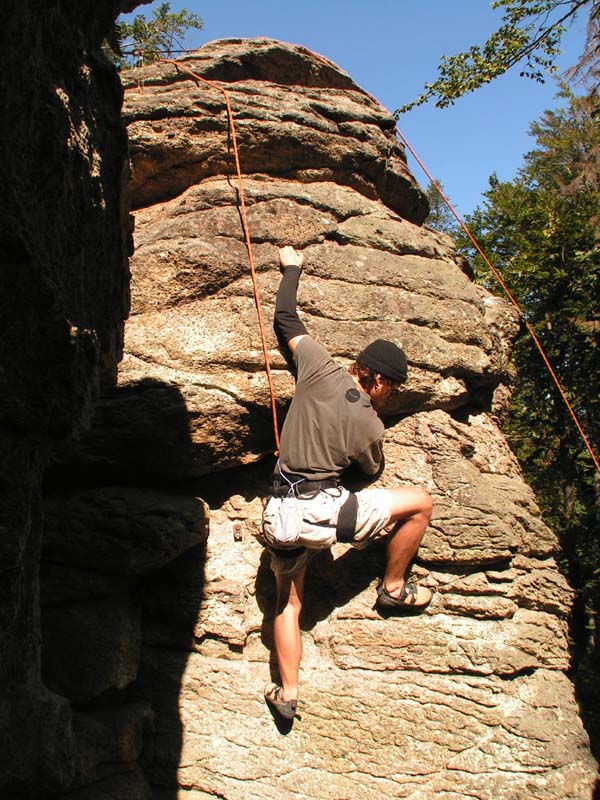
point(151, 515)
point(470, 699)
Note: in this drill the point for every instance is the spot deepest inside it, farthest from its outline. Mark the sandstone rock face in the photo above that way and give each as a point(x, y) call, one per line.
point(303, 119)
point(193, 324)
point(156, 598)
point(64, 293)
point(136, 619)
point(469, 700)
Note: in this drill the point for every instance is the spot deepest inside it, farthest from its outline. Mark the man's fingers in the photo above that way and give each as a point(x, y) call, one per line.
point(289, 257)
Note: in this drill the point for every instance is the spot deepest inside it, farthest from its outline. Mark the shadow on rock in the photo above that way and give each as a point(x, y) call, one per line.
point(330, 583)
point(122, 579)
point(139, 436)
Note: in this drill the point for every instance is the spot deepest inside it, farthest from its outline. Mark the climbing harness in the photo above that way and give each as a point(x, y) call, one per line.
point(285, 487)
point(242, 209)
point(510, 296)
point(288, 516)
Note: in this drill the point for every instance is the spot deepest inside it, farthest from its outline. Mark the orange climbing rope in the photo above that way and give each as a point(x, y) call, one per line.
point(510, 296)
point(179, 66)
point(494, 271)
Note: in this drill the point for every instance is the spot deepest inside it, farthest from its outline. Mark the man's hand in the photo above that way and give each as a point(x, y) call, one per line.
point(288, 257)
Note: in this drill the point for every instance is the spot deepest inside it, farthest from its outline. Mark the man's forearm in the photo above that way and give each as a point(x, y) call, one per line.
point(287, 323)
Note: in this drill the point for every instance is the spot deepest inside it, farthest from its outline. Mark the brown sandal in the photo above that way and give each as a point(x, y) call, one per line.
point(406, 601)
point(285, 708)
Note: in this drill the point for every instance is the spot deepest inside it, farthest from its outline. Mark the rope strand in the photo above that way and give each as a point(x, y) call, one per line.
point(510, 296)
point(247, 240)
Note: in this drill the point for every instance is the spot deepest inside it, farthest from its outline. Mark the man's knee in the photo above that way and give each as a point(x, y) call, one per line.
point(411, 501)
point(289, 593)
point(426, 502)
point(289, 604)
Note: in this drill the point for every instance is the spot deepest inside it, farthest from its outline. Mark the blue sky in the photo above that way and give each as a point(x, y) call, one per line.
point(391, 48)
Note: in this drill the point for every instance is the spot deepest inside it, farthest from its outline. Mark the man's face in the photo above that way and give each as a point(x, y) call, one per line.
point(381, 392)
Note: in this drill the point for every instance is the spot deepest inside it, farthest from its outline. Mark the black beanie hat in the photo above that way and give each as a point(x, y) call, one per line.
point(386, 358)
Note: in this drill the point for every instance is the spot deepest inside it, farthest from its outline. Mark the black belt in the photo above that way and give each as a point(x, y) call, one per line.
point(281, 487)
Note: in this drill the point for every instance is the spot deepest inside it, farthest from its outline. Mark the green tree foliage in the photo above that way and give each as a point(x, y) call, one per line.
point(541, 231)
point(440, 217)
point(530, 34)
point(144, 41)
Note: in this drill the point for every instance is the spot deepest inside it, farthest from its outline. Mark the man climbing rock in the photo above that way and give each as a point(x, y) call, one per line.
point(333, 422)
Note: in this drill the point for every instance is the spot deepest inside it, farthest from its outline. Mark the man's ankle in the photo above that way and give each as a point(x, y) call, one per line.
point(289, 693)
point(393, 586)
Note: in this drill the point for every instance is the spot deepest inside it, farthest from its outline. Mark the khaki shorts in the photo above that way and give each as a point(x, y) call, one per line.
point(318, 519)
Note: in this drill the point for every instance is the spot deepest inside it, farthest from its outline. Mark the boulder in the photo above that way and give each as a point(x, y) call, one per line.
point(194, 329)
point(469, 698)
point(296, 115)
point(157, 606)
point(472, 697)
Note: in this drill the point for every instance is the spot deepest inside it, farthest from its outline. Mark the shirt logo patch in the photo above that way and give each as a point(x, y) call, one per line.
point(352, 395)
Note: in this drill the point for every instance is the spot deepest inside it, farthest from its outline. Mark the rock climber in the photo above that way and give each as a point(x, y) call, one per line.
point(333, 421)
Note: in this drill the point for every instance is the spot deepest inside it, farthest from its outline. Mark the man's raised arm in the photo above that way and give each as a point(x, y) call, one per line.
point(287, 325)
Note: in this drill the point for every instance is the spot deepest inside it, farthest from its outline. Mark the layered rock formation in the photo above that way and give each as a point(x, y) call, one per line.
point(64, 293)
point(471, 699)
point(156, 607)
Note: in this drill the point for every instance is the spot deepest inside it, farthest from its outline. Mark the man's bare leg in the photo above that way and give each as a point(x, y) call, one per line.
point(286, 632)
point(411, 510)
